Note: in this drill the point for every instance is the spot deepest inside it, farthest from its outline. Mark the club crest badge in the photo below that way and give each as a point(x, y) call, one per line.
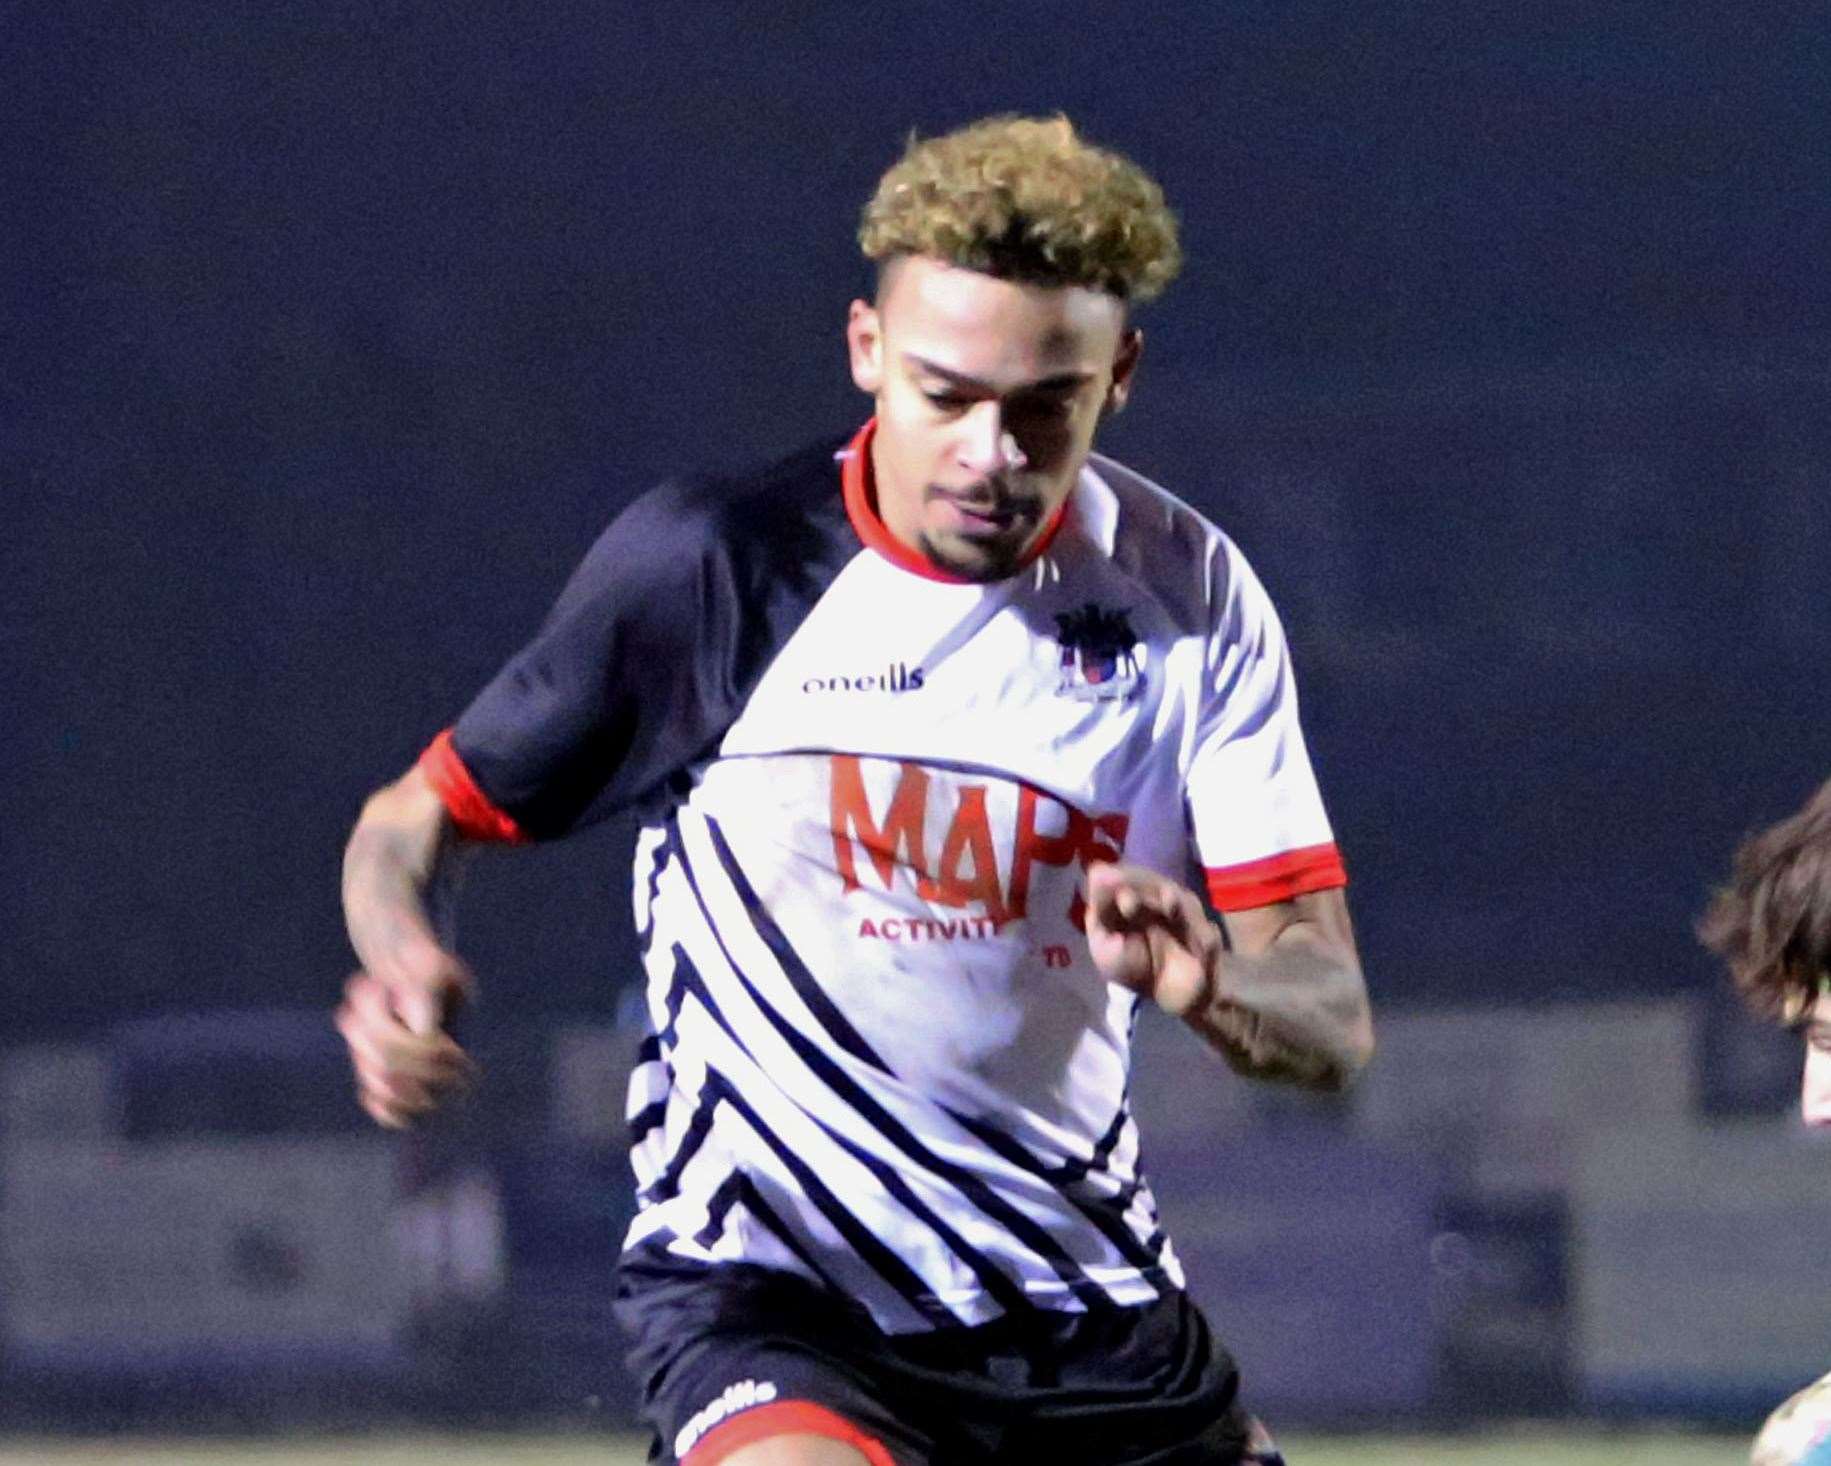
point(1100, 660)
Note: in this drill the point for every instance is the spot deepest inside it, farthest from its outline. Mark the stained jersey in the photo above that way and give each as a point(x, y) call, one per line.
point(879, 1054)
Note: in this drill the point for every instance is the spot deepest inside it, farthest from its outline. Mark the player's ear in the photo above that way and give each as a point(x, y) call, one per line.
point(1125, 365)
point(865, 346)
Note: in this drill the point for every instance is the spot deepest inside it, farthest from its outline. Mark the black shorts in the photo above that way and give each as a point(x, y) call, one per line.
point(730, 1354)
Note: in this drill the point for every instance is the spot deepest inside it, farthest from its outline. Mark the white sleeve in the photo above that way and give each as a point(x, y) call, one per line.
point(1255, 814)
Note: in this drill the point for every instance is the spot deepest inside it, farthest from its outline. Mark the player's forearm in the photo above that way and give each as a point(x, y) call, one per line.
point(1297, 1014)
point(399, 874)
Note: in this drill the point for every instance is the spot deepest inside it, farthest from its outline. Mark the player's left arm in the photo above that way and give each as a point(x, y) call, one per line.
point(1288, 1001)
point(1285, 1002)
point(1282, 998)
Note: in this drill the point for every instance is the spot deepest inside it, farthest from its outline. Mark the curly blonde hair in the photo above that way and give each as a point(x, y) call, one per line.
point(1025, 198)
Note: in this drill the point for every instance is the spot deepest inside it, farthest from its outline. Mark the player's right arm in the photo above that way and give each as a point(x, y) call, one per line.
point(397, 869)
point(632, 673)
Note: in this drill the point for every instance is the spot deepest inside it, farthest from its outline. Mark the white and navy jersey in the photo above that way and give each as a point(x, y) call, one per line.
point(880, 1055)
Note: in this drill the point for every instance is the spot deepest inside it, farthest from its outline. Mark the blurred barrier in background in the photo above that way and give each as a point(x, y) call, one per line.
point(1521, 1213)
point(331, 336)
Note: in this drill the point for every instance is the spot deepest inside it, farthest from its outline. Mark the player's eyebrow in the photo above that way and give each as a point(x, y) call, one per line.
point(1060, 382)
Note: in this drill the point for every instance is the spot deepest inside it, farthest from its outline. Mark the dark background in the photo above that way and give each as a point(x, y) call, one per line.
point(333, 334)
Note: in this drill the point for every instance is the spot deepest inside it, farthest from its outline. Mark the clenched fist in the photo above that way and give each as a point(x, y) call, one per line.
point(406, 1063)
point(1151, 934)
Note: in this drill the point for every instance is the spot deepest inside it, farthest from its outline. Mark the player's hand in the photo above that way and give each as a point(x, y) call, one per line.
point(406, 1064)
point(1151, 934)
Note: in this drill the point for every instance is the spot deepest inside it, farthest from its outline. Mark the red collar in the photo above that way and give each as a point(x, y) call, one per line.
point(858, 482)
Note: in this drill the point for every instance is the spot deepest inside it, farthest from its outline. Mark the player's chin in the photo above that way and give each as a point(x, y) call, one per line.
point(978, 557)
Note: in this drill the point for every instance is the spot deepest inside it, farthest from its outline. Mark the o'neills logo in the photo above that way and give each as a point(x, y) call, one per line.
point(733, 1398)
point(897, 677)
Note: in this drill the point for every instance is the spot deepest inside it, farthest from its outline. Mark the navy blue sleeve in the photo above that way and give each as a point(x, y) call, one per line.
point(651, 649)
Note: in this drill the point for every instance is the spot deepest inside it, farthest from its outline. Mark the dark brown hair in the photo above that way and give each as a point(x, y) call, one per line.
point(1772, 922)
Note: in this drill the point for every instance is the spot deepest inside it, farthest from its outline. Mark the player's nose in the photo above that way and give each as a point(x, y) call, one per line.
point(987, 446)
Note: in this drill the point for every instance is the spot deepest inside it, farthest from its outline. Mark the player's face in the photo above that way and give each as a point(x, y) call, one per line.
point(1815, 1099)
point(988, 394)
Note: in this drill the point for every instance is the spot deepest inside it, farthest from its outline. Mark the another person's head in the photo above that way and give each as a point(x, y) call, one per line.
point(1772, 924)
point(1008, 255)
point(1799, 1432)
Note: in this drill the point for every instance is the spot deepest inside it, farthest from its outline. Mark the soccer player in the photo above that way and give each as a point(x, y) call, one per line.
point(931, 726)
point(1772, 924)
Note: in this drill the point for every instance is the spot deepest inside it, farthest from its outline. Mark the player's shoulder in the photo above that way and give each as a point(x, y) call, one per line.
point(719, 530)
point(1160, 539)
point(780, 500)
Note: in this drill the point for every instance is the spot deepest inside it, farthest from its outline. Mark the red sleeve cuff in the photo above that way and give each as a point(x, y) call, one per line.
point(1276, 878)
point(472, 811)
point(783, 1417)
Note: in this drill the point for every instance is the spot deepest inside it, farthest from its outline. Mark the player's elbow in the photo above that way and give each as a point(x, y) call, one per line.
point(1361, 1044)
point(1336, 1077)
point(1353, 1053)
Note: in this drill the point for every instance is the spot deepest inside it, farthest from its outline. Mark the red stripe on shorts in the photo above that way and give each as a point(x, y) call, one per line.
point(783, 1417)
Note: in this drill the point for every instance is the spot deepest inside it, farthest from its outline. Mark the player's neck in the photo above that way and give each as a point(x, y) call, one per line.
point(894, 511)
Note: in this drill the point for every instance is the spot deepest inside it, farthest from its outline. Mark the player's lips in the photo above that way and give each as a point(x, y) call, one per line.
point(977, 518)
